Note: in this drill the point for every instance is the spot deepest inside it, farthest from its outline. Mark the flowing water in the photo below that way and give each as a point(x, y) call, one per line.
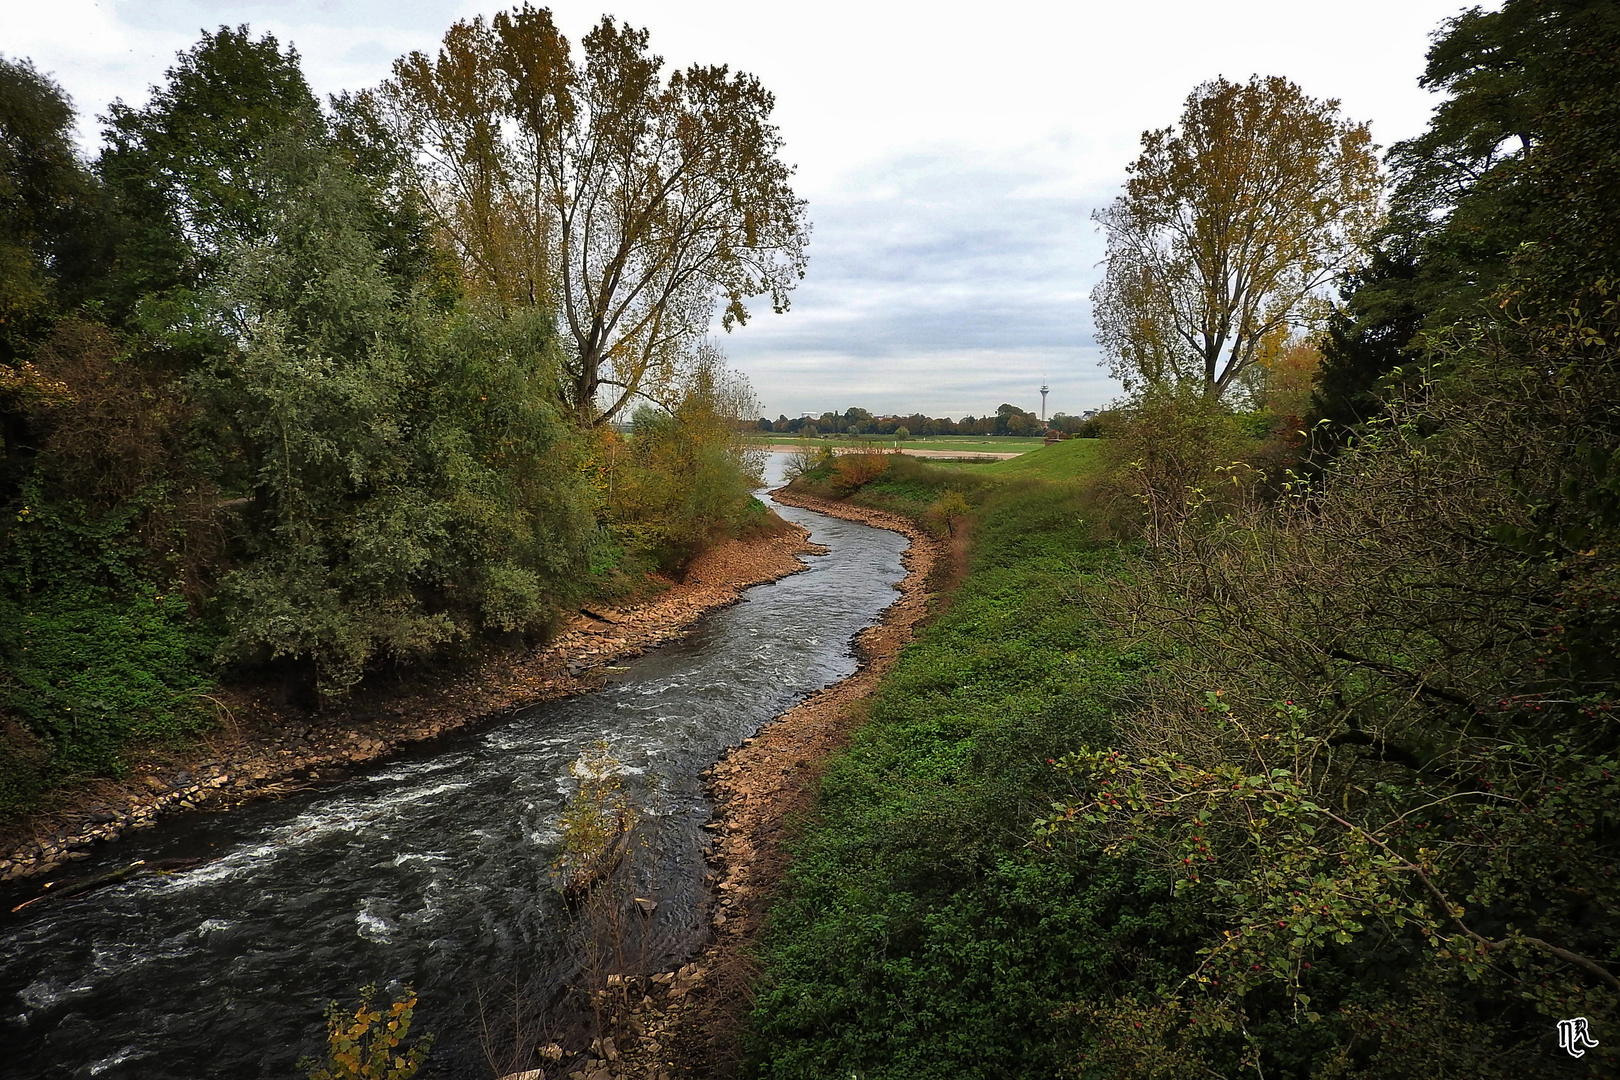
point(432, 868)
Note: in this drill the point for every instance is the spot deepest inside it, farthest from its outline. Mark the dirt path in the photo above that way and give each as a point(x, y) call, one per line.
point(686, 1023)
point(264, 751)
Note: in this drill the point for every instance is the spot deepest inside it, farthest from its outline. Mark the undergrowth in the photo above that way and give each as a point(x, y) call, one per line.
point(917, 935)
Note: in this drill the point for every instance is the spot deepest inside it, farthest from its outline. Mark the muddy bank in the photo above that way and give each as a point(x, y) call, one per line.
point(263, 751)
point(685, 1023)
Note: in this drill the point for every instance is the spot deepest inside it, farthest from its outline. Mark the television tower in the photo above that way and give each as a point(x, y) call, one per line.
point(1044, 389)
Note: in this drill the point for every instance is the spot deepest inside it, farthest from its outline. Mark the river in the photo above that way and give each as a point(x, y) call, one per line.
point(433, 867)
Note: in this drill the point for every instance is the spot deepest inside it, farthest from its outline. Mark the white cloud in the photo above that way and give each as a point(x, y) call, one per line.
point(951, 155)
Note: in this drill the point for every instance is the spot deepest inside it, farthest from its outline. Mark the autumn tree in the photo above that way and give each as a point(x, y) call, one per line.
point(630, 203)
point(1228, 230)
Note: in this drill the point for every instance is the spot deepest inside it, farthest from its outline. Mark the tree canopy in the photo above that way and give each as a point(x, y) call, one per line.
point(1228, 231)
point(632, 203)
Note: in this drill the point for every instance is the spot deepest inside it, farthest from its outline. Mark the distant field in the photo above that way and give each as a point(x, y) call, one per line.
point(964, 444)
point(1066, 460)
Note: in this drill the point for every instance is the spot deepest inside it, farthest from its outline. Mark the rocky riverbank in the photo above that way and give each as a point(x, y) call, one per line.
point(685, 1023)
point(263, 750)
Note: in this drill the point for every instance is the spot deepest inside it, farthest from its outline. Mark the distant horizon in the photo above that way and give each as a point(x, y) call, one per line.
point(954, 417)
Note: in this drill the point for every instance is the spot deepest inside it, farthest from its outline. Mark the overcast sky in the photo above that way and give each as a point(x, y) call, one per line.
point(952, 155)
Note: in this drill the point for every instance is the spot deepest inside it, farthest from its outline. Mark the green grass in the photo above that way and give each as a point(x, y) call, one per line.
point(1063, 461)
point(918, 936)
point(956, 444)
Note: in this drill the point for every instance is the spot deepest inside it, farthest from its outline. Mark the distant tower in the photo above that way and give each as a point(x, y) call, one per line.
point(1044, 389)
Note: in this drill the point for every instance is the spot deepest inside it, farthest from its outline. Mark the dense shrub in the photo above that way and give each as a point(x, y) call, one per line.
point(1379, 751)
point(852, 471)
point(410, 474)
point(683, 480)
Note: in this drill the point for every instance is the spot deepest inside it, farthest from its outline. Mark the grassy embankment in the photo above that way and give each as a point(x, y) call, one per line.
point(956, 444)
point(917, 935)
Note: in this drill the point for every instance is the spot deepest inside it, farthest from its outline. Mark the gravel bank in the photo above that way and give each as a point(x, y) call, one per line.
point(263, 750)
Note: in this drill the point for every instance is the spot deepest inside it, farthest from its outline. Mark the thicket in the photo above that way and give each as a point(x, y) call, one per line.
point(1377, 749)
point(258, 426)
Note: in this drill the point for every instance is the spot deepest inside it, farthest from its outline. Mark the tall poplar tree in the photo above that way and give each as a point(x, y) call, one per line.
point(632, 203)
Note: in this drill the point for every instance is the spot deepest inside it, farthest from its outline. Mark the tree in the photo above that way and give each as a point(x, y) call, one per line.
point(631, 203)
point(410, 477)
point(1520, 161)
point(184, 168)
point(46, 200)
point(1511, 187)
point(1228, 231)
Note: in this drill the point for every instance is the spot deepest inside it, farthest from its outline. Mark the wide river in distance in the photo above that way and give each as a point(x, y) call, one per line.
point(433, 867)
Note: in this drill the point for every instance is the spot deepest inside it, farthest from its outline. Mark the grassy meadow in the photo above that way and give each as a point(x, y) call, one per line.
point(919, 935)
point(954, 444)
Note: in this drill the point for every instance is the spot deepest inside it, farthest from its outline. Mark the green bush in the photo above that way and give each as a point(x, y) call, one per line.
point(92, 652)
point(411, 480)
point(683, 482)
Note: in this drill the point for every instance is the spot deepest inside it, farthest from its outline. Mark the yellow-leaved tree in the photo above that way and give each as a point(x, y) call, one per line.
point(631, 204)
point(1228, 232)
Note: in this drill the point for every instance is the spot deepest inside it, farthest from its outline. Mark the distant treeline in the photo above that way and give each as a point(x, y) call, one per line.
point(1006, 420)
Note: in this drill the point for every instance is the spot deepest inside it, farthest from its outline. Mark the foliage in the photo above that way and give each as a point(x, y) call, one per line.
point(684, 478)
point(1519, 163)
point(184, 168)
point(1228, 230)
point(851, 471)
point(1428, 812)
point(1366, 339)
point(106, 543)
point(369, 1044)
point(917, 935)
point(85, 672)
point(597, 822)
point(1511, 187)
point(48, 206)
point(1176, 454)
point(807, 459)
point(409, 472)
point(631, 204)
point(945, 513)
